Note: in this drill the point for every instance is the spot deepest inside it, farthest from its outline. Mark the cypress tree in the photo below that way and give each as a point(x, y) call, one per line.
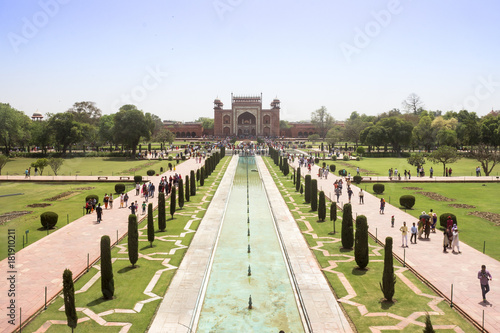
point(333, 214)
point(192, 184)
point(202, 176)
point(172, 202)
point(293, 177)
point(181, 194)
point(428, 325)
point(107, 282)
point(307, 193)
point(162, 215)
point(301, 189)
point(298, 180)
point(361, 242)
point(347, 228)
point(286, 169)
point(69, 299)
point(388, 277)
point(281, 164)
point(133, 240)
point(314, 195)
point(322, 207)
point(197, 175)
point(151, 226)
point(187, 191)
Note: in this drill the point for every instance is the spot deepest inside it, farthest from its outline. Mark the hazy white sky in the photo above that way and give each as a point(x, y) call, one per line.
point(173, 58)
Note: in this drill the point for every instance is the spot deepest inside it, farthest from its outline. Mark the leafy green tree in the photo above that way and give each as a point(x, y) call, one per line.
point(192, 184)
point(69, 299)
point(374, 135)
point(353, 128)
point(130, 125)
point(484, 156)
point(85, 112)
point(388, 277)
point(398, 132)
point(41, 164)
point(164, 135)
point(172, 202)
point(105, 129)
point(322, 207)
point(417, 159)
point(361, 254)
point(3, 160)
point(206, 123)
point(313, 137)
point(14, 128)
point(423, 134)
point(322, 120)
point(67, 131)
point(446, 137)
point(41, 135)
point(298, 180)
point(468, 128)
point(162, 218)
point(445, 155)
point(490, 130)
point(107, 281)
point(133, 239)
point(55, 164)
point(347, 227)
point(314, 195)
point(307, 195)
point(187, 192)
point(151, 226)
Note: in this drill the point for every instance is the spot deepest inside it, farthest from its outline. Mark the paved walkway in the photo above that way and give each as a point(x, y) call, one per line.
point(427, 257)
point(42, 263)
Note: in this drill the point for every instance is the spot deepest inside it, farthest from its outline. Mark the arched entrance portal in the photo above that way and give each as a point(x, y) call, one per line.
point(247, 124)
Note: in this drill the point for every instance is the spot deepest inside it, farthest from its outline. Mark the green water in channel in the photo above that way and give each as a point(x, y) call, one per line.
point(225, 306)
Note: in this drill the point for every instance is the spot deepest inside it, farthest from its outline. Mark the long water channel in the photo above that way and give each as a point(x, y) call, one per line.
point(249, 262)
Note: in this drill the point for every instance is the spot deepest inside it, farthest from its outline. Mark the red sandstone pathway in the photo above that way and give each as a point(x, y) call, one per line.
point(41, 264)
point(427, 257)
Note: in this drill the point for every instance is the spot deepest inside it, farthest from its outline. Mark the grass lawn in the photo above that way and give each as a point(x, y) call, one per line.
point(364, 283)
point(130, 283)
point(89, 166)
point(69, 207)
point(473, 230)
point(370, 166)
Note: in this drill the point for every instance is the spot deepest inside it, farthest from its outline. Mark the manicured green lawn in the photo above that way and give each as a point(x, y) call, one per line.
point(364, 283)
point(380, 166)
point(130, 283)
point(69, 208)
point(88, 166)
point(473, 230)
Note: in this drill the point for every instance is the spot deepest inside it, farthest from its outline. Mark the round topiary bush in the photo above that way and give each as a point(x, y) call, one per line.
point(119, 188)
point(150, 172)
point(161, 169)
point(357, 179)
point(346, 157)
point(137, 179)
point(332, 167)
point(316, 160)
point(443, 218)
point(49, 220)
point(92, 196)
point(334, 157)
point(378, 188)
point(407, 201)
point(170, 158)
point(343, 172)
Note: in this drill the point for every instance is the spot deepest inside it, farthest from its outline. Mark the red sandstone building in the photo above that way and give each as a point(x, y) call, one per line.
point(246, 117)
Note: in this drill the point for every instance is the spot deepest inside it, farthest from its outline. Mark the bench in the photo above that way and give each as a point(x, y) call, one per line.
point(124, 177)
point(102, 178)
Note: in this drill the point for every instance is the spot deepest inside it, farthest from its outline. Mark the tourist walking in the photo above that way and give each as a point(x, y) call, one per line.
point(382, 206)
point(413, 230)
point(349, 193)
point(125, 198)
point(404, 234)
point(111, 201)
point(361, 197)
point(122, 200)
point(106, 201)
point(484, 277)
point(392, 221)
point(455, 241)
point(137, 188)
point(133, 207)
point(98, 211)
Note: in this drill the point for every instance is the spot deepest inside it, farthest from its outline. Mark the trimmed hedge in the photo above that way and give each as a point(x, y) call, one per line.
point(119, 188)
point(407, 201)
point(150, 172)
point(49, 220)
point(378, 188)
point(357, 179)
point(333, 167)
point(444, 217)
point(137, 179)
point(92, 196)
